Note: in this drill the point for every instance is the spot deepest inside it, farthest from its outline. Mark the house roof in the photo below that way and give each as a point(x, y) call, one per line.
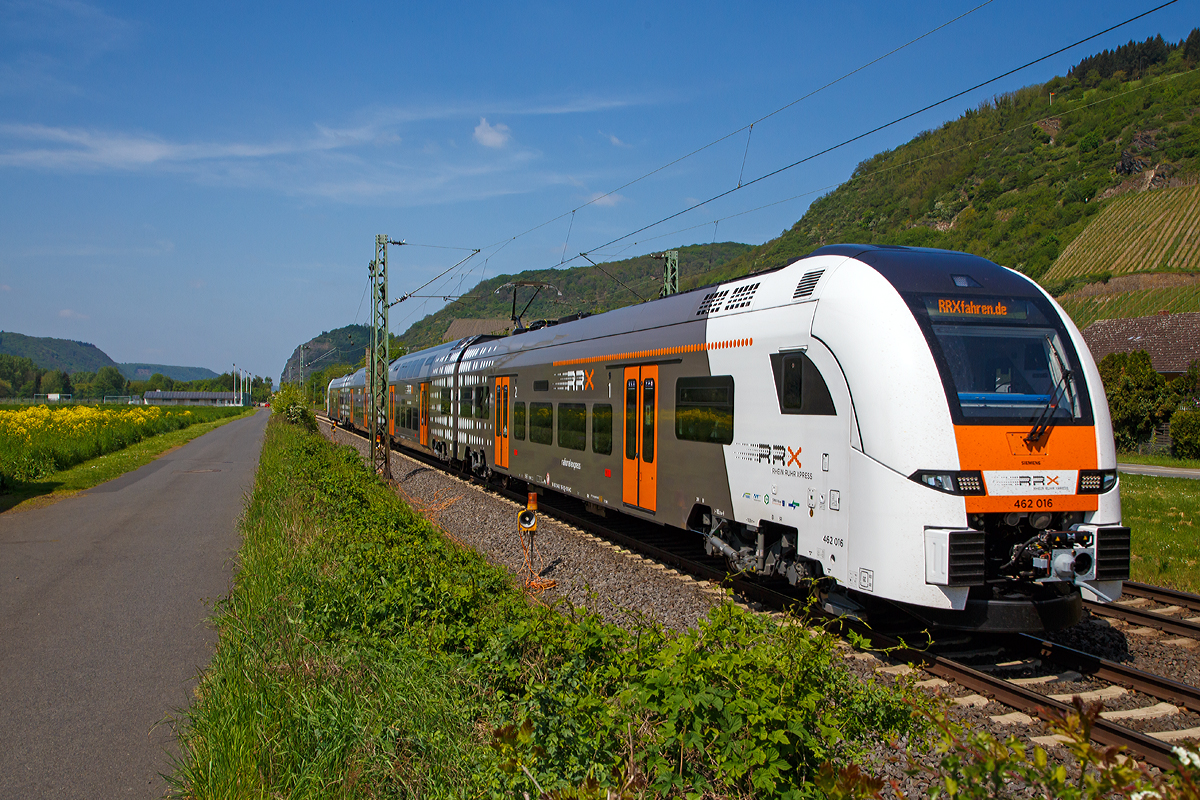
point(1171, 340)
point(462, 328)
point(160, 395)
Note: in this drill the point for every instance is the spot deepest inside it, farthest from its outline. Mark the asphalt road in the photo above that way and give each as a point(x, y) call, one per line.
point(1161, 472)
point(103, 601)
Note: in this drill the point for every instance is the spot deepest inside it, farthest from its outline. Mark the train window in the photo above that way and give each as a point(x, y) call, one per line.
point(648, 420)
point(631, 419)
point(483, 402)
point(800, 387)
point(602, 428)
point(541, 386)
point(444, 400)
point(541, 423)
point(518, 421)
point(572, 426)
point(704, 409)
point(464, 402)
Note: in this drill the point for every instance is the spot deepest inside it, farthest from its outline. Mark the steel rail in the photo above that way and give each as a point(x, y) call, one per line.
point(1157, 686)
point(1148, 619)
point(1162, 594)
point(1104, 732)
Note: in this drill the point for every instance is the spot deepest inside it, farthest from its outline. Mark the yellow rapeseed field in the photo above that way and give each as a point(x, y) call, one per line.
point(39, 440)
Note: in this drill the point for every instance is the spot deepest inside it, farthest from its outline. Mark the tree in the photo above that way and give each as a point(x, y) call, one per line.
point(109, 381)
point(1137, 396)
point(159, 383)
point(1191, 47)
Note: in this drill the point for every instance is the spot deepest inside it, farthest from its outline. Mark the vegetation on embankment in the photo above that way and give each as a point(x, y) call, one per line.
point(360, 649)
point(38, 441)
point(60, 485)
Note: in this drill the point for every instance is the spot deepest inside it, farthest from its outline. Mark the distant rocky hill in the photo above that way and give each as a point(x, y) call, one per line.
point(350, 342)
point(60, 354)
point(142, 372)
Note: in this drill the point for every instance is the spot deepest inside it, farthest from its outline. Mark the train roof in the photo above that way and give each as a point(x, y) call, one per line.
point(927, 269)
point(908, 269)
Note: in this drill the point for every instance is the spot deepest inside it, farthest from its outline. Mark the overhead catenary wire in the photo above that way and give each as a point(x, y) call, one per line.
point(763, 118)
point(886, 125)
point(501, 244)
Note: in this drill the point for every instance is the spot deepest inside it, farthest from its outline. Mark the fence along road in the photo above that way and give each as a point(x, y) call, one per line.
point(103, 601)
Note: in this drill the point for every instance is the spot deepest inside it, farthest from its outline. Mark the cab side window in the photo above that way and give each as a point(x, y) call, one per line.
point(800, 387)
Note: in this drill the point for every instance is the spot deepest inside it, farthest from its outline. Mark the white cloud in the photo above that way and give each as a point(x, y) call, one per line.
point(78, 149)
point(607, 199)
point(612, 138)
point(67, 313)
point(491, 135)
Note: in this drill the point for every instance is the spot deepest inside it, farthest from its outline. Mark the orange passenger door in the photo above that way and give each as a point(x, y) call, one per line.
point(423, 414)
point(391, 411)
point(639, 481)
point(501, 457)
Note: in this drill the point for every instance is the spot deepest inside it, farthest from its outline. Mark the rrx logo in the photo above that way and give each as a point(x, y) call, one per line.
point(1037, 480)
point(775, 455)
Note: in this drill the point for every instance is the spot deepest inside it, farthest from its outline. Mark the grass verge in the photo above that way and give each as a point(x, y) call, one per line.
point(361, 654)
point(1163, 515)
point(60, 485)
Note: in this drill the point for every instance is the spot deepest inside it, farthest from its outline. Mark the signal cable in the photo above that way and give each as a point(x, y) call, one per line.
point(886, 125)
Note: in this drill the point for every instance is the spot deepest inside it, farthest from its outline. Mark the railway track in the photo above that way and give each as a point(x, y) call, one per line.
point(679, 551)
point(1179, 612)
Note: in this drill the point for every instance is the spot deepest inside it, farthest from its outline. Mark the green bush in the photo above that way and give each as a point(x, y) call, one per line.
point(1185, 433)
point(289, 402)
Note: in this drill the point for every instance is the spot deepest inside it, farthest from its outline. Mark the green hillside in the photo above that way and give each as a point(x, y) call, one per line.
point(584, 289)
point(57, 354)
point(141, 372)
point(1017, 179)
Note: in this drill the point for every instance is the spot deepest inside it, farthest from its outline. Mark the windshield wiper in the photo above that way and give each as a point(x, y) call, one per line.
point(1045, 420)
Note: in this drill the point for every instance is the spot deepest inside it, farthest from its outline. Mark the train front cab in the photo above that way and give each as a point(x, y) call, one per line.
point(986, 444)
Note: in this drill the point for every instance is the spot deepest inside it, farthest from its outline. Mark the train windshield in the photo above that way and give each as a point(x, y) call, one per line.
point(1004, 362)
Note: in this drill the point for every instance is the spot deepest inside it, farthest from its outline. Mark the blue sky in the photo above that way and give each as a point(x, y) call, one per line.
point(201, 183)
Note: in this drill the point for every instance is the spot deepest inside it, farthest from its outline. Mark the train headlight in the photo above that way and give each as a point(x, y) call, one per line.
point(966, 482)
point(1096, 481)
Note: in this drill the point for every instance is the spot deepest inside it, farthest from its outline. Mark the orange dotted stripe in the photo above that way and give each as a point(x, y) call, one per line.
point(660, 352)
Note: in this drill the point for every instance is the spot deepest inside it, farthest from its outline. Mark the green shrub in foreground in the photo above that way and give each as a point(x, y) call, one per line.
point(358, 644)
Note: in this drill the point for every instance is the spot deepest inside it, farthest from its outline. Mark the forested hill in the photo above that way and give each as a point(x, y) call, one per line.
point(1018, 178)
point(58, 354)
point(613, 285)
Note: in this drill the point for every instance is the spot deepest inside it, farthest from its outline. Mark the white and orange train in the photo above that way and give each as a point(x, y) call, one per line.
point(919, 426)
